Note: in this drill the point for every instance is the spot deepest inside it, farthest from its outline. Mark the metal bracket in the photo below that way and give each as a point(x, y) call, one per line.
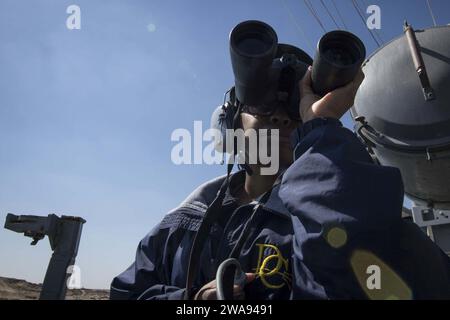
point(419, 64)
point(436, 223)
point(425, 217)
point(64, 234)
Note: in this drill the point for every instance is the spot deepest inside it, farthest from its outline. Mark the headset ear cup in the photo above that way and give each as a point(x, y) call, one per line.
point(221, 120)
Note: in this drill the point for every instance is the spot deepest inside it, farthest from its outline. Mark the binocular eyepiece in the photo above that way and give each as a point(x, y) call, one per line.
point(260, 63)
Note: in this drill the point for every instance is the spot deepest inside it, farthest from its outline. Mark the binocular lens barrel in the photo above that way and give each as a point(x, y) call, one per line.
point(253, 47)
point(338, 59)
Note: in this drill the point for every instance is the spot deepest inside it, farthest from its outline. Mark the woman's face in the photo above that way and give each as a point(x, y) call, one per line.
point(279, 120)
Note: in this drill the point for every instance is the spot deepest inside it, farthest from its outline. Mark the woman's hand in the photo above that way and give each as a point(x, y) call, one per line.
point(333, 105)
point(209, 290)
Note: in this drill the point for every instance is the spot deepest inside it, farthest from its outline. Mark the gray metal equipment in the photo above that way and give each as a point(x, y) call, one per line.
point(64, 234)
point(402, 113)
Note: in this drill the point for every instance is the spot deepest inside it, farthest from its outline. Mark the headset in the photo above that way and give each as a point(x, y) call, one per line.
point(223, 118)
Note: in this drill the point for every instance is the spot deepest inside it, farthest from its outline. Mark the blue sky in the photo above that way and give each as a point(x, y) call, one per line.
point(86, 115)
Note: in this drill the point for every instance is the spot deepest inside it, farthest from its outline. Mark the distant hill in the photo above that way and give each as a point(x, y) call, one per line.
point(15, 289)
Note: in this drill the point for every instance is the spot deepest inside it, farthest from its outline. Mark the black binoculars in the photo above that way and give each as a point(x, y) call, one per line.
point(267, 73)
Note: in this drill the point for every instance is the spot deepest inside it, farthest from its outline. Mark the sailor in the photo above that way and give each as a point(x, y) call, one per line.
point(327, 225)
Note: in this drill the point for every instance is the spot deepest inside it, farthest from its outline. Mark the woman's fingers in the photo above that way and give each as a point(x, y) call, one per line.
point(209, 291)
point(238, 293)
point(250, 277)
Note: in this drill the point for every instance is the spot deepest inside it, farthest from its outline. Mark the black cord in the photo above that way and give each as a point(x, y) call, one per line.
point(211, 215)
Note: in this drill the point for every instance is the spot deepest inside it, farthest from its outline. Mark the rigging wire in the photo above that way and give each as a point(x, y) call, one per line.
point(329, 13)
point(431, 12)
point(314, 13)
point(364, 22)
point(299, 28)
point(339, 14)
